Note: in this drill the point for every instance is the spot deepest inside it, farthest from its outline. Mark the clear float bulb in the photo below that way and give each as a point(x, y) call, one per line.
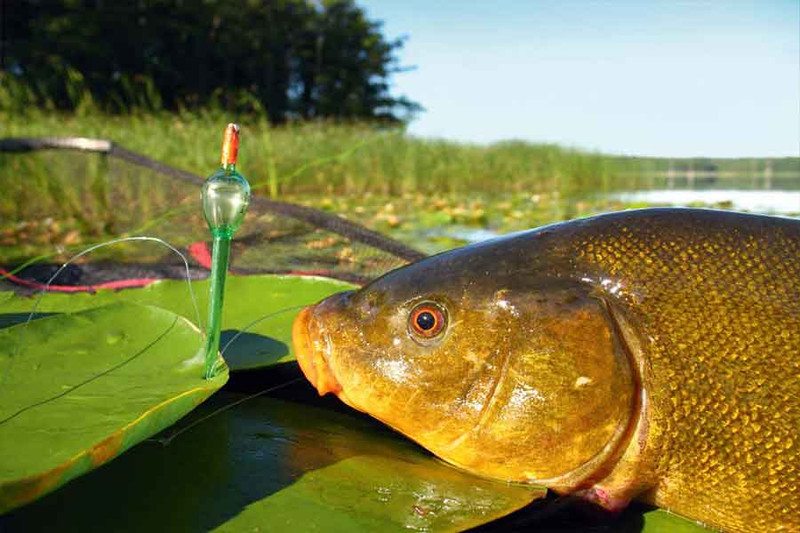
point(226, 193)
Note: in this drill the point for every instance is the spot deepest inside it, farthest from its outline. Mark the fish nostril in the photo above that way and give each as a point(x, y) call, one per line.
point(341, 300)
point(334, 302)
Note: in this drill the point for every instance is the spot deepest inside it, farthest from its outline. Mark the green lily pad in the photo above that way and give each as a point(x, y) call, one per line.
point(660, 521)
point(247, 298)
point(274, 465)
point(380, 493)
point(271, 465)
point(76, 390)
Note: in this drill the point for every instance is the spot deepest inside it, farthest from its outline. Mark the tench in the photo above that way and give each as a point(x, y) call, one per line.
point(650, 354)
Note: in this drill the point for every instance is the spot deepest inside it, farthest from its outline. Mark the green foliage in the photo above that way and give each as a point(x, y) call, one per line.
point(64, 199)
point(400, 492)
point(739, 165)
point(271, 465)
point(288, 58)
point(76, 390)
point(275, 465)
point(322, 157)
point(264, 343)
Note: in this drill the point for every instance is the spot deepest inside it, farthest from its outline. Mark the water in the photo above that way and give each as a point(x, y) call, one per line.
point(754, 195)
point(765, 193)
point(774, 202)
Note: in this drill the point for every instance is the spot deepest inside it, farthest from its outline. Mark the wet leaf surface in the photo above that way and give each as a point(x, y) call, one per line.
point(76, 390)
point(274, 465)
point(300, 463)
point(247, 299)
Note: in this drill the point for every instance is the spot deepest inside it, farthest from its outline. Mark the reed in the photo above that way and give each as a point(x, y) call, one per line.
point(323, 157)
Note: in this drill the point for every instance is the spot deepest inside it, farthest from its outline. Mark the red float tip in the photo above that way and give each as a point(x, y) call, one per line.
point(230, 145)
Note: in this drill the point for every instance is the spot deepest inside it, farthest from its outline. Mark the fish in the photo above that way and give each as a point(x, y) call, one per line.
point(648, 354)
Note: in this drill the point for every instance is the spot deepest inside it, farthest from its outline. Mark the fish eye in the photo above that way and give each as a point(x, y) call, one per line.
point(427, 320)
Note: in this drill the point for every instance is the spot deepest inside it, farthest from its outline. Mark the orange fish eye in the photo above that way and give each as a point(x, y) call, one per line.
point(427, 320)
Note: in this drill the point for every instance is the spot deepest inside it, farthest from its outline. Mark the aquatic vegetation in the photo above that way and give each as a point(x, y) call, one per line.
point(431, 194)
point(246, 461)
point(382, 177)
point(64, 414)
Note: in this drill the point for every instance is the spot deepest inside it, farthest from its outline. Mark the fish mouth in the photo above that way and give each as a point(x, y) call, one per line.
point(309, 351)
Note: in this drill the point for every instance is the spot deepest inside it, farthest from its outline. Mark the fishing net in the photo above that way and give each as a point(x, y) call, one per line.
point(64, 194)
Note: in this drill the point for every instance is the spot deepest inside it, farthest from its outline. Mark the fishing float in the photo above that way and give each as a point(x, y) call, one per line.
point(226, 196)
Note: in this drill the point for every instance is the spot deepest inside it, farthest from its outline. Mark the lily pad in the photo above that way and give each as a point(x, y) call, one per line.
point(77, 390)
point(380, 493)
point(247, 298)
point(273, 465)
point(661, 521)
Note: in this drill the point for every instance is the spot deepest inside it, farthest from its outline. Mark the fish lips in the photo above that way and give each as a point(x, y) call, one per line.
point(310, 347)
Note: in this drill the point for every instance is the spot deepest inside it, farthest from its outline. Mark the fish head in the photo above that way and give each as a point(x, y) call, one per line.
point(506, 376)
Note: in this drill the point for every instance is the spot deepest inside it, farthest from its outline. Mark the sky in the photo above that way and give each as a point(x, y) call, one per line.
point(718, 78)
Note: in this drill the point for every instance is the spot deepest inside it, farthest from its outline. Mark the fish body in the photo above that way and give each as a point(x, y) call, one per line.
point(650, 354)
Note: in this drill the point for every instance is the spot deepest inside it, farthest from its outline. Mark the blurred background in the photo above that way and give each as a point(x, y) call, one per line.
point(437, 123)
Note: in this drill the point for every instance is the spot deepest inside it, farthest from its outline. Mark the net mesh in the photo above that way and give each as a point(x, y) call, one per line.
point(65, 194)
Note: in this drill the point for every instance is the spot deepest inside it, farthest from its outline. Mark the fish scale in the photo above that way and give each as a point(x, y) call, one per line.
point(724, 299)
point(650, 354)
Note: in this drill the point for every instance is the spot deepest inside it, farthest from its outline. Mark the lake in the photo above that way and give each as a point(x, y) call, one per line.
point(440, 222)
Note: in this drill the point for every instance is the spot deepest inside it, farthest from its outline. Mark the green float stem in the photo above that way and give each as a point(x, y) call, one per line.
point(226, 195)
point(219, 270)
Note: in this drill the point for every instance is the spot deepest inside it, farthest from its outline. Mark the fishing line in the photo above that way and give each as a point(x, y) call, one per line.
point(324, 160)
point(110, 243)
point(8, 273)
point(23, 329)
point(164, 441)
point(91, 379)
point(167, 440)
point(258, 321)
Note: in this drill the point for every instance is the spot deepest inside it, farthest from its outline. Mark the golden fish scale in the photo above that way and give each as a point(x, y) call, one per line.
point(718, 312)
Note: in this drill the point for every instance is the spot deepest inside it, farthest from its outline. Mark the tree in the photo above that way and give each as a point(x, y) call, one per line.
point(293, 58)
point(344, 65)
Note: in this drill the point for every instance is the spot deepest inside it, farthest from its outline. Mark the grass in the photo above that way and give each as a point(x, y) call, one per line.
point(332, 158)
point(306, 158)
point(383, 178)
point(66, 199)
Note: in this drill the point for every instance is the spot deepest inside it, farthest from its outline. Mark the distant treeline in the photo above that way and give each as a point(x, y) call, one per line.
point(740, 165)
point(288, 59)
